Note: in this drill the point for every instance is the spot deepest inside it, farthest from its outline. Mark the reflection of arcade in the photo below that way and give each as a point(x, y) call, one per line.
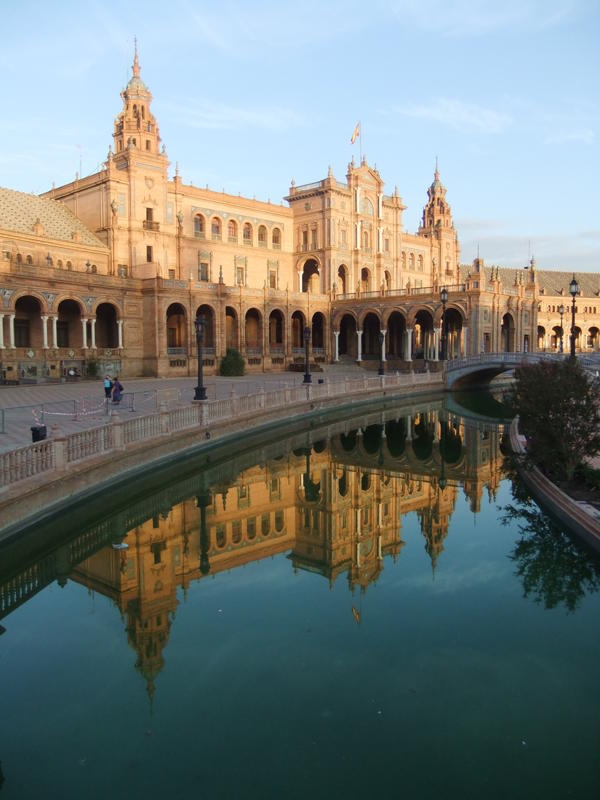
point(335, 506)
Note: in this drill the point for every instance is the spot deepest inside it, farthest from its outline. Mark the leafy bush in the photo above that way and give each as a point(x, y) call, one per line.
point(91, 368)
point(233, 364)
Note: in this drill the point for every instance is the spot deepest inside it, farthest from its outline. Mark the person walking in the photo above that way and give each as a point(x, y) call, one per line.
point(117, 390)
point(107, 387)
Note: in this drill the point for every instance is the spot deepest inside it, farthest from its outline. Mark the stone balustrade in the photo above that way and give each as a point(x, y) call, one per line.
point(61, 451)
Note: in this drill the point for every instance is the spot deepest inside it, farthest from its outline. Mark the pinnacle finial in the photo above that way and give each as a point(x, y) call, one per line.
point(136, 62)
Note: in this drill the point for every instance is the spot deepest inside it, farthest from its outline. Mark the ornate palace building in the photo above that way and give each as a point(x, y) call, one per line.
point(108, 274)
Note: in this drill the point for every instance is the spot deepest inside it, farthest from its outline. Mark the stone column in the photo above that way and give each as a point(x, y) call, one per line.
point(383, 358)
point(408, 349)
point(44, 318)
point(94, 333)
point(1, 331)
point(54, 321)
point(11, 331)
point(84, 332)
point(337, 346)
point(120, 331)
point(359, 344)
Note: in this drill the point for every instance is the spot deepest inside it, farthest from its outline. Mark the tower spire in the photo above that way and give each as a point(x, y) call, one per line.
point(136, 62)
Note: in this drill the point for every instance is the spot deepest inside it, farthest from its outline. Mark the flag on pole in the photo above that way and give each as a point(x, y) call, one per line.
point(356, 133)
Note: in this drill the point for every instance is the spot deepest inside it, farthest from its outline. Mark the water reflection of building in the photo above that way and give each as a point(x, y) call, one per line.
point(336, 508)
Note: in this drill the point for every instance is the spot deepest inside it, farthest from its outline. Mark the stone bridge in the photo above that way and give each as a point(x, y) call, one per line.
point(477, 370)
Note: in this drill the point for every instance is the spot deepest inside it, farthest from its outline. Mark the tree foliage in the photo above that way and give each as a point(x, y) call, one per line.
point(559, 413)
point(233, 364)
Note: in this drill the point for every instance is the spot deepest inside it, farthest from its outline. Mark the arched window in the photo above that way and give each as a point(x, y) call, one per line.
point(420, 264)
point(19, 258)
point(29, 260)
point(262, 236)
point(247, 233)
point(411, 261)
point(276, 239)
point(404, 261)
point(232, 234)
point(215, 229)
point(199, 226)
point(59, 263)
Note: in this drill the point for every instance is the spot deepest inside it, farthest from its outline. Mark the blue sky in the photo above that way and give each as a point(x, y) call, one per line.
point(250, 95)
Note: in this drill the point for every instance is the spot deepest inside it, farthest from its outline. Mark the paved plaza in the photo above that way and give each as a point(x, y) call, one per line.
point(80, 404)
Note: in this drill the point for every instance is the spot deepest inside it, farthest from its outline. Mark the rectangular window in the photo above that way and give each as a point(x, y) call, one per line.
point(239, 276)
point(272, 279)
point(313, 239)
point(305, 240)
point(386, 245)
point(203, 271)
point(121, 201)
point(342, 238)
point(171, 274)
point(149, 215)
point(149, 254)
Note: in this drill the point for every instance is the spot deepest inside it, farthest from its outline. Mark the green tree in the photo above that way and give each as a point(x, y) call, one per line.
point(233, 363)
point(559, 413)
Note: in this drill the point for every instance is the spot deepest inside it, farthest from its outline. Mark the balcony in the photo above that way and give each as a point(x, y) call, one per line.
point(150, 225)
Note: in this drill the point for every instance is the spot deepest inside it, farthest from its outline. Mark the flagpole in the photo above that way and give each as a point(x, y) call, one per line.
point(360, 140)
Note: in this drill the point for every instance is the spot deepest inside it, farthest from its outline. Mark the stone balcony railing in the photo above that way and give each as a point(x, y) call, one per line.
point(46, 464)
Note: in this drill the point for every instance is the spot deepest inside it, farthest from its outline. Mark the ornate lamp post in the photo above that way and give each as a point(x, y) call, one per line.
point(307, 375)
point(573, 291)
point(561, 311)
point(199, 324)
point(444, 299)
point(381, 370)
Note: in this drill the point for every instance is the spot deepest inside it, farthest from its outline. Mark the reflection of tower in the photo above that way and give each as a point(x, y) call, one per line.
point(148, 632)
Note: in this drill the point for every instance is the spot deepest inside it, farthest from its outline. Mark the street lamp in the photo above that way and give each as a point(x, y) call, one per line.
point(307, 375)
point(561, 311)
point(199, 324)
point(444, 299)
point(573, 291)
point(381, 370)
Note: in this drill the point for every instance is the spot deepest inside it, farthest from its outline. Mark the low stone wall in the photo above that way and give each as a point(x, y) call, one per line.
point(571, 513)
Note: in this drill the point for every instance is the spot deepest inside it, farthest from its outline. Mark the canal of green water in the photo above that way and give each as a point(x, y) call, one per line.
point(372, 607)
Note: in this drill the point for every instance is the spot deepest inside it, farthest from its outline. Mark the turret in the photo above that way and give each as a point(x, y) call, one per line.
point(135, 127)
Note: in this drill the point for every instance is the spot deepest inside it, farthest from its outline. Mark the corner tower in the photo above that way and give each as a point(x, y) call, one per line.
point(135, 127)
point(437, 226)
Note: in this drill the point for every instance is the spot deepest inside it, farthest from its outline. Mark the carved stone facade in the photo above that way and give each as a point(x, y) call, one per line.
point(109, 272)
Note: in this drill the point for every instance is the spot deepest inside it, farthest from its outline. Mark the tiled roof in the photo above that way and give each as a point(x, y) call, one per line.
point(20, 212)
point(550, 281)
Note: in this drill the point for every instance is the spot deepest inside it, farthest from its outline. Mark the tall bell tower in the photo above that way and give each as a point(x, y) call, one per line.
point(135, 127)
point(437, 226)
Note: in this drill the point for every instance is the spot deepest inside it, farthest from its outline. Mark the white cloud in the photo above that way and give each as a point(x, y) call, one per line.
point(459, 115)
point(468, 18)
point(581, 136)
point(213, 116)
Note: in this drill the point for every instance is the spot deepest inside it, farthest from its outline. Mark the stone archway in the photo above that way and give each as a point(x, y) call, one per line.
point(348, 345)
point(176, 329)
point(311, 277)
point(423, 345)
point(107, 331)
point(507, 334)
